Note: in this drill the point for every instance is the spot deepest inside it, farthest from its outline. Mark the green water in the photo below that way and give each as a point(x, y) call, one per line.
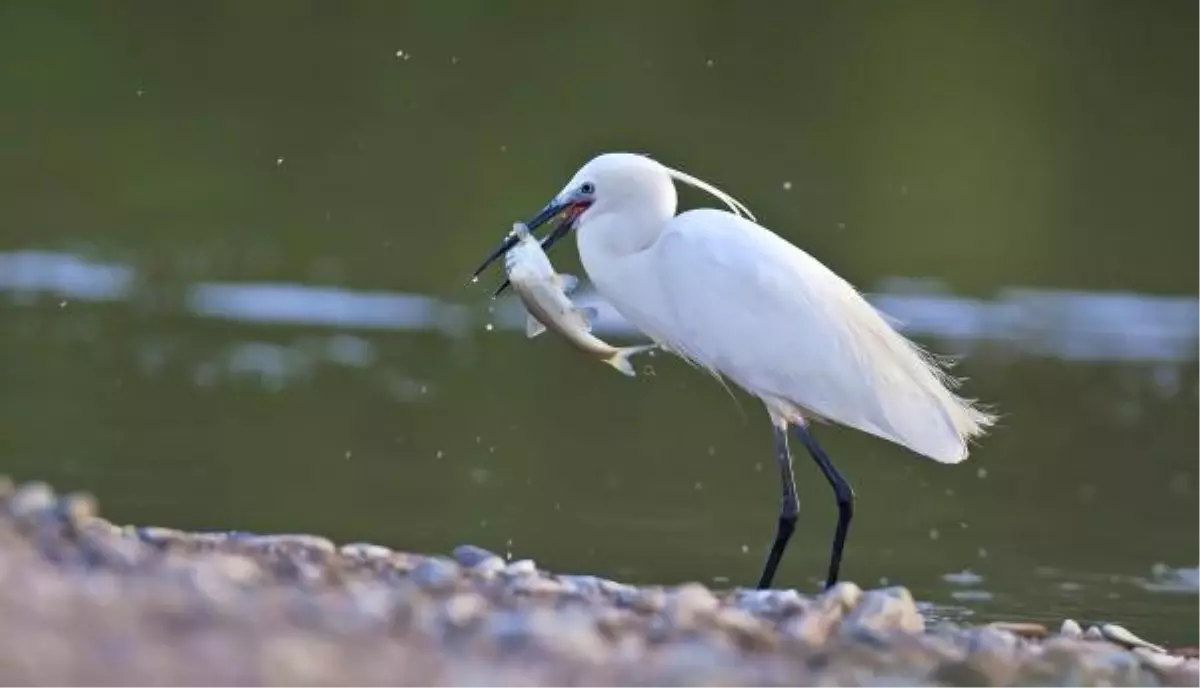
point(385, 147)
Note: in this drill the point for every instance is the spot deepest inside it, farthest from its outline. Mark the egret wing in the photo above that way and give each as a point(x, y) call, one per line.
point(739, 299)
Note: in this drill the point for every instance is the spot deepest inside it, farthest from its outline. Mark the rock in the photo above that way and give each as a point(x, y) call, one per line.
point(31, 500)
point(686, 602)
point(1122, 636)
point(1158, 660)
point(1022, 628)
point(534, 585)
point(364, 550)
point(469, 556)
point(571, 634)
point(775, 602)
point(649, 600)
point(524, 567)
point(463, 608)
point(822, 617)
point(880, 611)
point(78, 507)
point(435, 573)
point(1071, 629)
point(582, 585)
point(312, 543)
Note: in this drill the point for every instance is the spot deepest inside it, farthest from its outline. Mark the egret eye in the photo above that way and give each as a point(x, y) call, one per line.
point(587, 188)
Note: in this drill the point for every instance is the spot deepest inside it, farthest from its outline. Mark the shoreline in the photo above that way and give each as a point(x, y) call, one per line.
point(85, 601)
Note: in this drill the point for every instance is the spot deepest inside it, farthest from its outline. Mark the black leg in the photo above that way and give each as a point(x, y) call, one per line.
point(845, 500)
point(788, 510)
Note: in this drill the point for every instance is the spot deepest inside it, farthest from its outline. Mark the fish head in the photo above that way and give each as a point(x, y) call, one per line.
point(570, 203)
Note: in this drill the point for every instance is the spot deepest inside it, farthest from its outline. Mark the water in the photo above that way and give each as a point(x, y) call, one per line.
point(235, 246)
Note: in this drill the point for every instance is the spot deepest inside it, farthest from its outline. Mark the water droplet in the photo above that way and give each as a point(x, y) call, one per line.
point(491, 450)
point(962, 524)
point(883, 580)
point(949, 492)
point(712, 451)
point(478, 439)
point(758, 467)
point(787, 186)
point(400, 54)
point(488, 327)
point(347, 454)
point(453, 59)
point(841, 225)
point(139, 93)
point(475, 279)
point(558, 506)
point(982, 553)
point(62, 304)
point(508, 550)
point(503, 148)
point(934, 534)
point(699, 485)
point(483, 523)
point(479, 475)
point(981, 473)
point(708, 63)
point(424, 389)
point(440, 454)
point(745, 549)
point(278, 162)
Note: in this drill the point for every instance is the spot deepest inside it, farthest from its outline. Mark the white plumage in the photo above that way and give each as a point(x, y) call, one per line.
point(737, 299)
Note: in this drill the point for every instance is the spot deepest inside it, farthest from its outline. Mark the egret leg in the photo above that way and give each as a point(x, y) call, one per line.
point(789, 509)
point(841, 490)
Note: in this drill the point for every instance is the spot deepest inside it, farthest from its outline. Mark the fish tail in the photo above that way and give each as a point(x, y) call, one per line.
point(620, 360)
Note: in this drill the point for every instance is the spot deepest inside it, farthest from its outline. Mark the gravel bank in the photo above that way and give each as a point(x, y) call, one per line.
point(84, 601)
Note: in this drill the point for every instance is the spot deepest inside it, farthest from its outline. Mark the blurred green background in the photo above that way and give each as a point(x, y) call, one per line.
point(235, 240)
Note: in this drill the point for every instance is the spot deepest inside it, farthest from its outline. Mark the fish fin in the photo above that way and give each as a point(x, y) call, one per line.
point(620, 360)
point(568, 283)
point(587, 316)
point(533, 327)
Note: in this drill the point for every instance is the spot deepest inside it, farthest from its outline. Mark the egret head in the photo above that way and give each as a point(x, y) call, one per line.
point(614, 182)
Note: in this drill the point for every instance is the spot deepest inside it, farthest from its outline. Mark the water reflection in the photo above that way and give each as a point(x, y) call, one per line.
point(1067, 325)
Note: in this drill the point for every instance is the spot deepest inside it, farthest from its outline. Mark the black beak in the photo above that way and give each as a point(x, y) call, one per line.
point(552, 209)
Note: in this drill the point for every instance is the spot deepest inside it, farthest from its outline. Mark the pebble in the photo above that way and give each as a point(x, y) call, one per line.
point(134, 605)
point(31, 499)
point(435, 573)
point(469, 556)
point(524, 567)
point(1122, 636)
point(364, 550)
point(1021, 628)
point(1071, 629)
point(885, 610)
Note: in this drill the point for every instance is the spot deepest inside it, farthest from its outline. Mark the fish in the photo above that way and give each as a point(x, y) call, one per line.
point(543, 292)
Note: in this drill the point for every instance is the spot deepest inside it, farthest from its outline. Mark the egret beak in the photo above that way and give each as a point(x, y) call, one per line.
point(574, 208)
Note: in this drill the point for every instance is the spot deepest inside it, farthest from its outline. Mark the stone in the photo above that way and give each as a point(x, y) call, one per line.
point(364, 550)
point(468, 556)
point(435, 573)
point(31, 499)
point(889, 609)
point(523, 567)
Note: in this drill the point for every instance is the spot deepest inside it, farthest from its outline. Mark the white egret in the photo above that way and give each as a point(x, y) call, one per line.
point(733, 298)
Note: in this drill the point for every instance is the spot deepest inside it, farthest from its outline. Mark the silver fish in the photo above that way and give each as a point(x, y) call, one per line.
point(544, 294)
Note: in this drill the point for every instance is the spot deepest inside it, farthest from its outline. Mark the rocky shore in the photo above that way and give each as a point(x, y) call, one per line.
point(85, 601)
